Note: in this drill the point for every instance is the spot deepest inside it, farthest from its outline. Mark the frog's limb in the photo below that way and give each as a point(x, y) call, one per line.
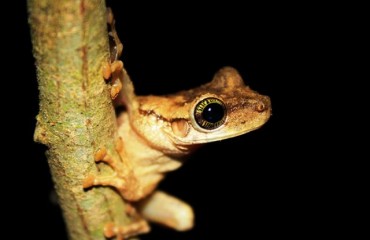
point(127, 95)
point(115, 180)
point(123, 178)
point(138, 226)
point(167, 210)
point(124, 181)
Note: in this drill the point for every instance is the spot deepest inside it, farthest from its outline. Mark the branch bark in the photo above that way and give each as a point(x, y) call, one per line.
point(76, 117)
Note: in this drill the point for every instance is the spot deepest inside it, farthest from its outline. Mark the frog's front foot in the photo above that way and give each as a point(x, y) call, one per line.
point(122, 179)
point(114, 180)
point(113, 73)
point(138, 226)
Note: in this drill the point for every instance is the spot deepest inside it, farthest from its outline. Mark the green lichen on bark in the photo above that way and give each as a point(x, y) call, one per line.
point(76, 117)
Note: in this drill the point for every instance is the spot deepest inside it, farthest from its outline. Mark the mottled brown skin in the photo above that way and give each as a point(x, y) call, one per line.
point(157, 132)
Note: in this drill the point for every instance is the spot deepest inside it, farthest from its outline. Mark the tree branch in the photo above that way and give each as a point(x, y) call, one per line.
point(76, 117)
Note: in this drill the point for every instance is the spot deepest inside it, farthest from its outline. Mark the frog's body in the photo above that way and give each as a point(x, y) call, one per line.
point(157, 132)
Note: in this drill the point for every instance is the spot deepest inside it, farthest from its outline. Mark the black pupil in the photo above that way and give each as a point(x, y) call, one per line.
point(213, 113)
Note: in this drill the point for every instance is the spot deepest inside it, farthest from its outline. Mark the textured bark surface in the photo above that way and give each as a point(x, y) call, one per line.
point(76, 117)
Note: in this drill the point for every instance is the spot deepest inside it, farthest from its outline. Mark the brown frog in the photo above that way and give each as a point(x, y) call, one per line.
point(157, 132)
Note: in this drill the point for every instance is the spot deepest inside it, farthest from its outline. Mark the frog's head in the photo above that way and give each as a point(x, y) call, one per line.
point(220, 109)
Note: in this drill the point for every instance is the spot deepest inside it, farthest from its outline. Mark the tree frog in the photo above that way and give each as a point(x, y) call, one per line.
point(156, 133)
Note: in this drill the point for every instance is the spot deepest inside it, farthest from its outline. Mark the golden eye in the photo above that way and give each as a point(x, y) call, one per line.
point(210, 113)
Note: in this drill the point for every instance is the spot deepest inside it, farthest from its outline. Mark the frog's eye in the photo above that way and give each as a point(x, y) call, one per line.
point(210, 113)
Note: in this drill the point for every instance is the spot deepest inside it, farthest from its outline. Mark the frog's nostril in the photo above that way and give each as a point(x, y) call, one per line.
point(260, 107)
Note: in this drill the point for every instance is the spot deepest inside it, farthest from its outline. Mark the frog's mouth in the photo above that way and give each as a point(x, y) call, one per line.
point(208, 137)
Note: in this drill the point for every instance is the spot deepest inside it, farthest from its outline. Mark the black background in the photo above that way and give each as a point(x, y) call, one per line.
point(263, 183)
